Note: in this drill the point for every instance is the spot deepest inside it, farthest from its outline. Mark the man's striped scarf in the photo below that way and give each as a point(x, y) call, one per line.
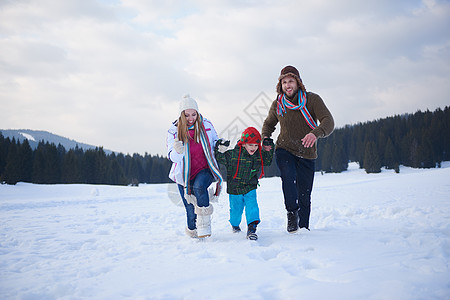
point(204, 140)
point(283, 104)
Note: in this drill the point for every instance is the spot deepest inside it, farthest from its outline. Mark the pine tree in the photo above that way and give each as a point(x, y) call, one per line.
point(89, 169)
point(390, 156)
point(4, 146)
point(427, 157)
point(326, 158)
point(52, 169)
point(372, 162)
point(115, 173)
point(147, 166)
point(339, 161)
point(133, 169)
point(38, 164)
point(446, 134)
point(25, 161)
point(12, 169)
point(101, 166)
point(414, 153)
point(71, 168)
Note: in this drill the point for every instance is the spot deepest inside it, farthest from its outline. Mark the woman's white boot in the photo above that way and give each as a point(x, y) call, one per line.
point(203, 220)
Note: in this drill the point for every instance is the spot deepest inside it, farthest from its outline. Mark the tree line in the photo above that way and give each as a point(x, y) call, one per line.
point(51, 164)
point(419, 140)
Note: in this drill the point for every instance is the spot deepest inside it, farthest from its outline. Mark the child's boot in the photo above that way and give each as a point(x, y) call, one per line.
point(251, 231)
point(236, 229)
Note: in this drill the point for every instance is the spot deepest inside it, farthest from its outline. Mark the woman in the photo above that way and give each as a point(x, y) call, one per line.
point(190, 147)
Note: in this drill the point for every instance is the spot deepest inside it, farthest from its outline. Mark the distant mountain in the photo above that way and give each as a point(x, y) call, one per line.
point(35, 136)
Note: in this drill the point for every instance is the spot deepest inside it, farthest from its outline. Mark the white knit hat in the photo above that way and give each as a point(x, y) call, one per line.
point(188, 103)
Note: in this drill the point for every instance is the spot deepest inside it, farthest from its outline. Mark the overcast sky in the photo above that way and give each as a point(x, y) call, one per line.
point(111, 73)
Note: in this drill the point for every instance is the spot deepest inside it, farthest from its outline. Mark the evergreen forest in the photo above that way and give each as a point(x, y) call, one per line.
point(51, 164)
point(419, 140)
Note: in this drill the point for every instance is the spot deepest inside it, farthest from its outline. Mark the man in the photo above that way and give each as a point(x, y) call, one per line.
point(303, 119)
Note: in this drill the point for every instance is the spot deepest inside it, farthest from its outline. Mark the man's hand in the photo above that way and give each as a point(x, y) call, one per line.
point(267, 144)
point(309, 140)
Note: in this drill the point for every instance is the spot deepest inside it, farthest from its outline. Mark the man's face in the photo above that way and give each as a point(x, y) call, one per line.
point(289, 85)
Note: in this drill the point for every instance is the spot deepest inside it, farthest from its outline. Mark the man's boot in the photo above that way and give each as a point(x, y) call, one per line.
point(292, 221)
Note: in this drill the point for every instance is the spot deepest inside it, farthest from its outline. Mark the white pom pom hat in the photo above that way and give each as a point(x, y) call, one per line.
point(187, 103)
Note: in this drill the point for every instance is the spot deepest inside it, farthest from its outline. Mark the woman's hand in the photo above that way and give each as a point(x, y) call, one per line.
point(222, 145)
point(178, 146)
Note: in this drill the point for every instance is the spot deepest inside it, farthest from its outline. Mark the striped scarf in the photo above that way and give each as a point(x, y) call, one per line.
point(283, 104)
point(204, 140)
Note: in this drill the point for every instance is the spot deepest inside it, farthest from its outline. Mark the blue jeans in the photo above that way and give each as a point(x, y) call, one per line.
point(199, 185)
point(297, 176)
point(237, 204)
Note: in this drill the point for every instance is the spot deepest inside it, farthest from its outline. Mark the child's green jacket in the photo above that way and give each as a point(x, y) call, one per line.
point(248, 171)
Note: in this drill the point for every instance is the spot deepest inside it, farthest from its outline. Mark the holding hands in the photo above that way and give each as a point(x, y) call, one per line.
point(222, 145)
point(267, 143)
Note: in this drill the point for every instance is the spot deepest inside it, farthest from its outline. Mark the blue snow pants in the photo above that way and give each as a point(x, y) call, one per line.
point(237, 204)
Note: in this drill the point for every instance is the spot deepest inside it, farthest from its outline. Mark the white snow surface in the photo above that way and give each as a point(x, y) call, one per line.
point(373, 236)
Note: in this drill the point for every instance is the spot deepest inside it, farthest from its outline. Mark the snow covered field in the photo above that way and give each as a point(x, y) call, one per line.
point(373, 236)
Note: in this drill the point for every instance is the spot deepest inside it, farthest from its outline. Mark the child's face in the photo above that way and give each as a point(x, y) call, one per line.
point(251, 148)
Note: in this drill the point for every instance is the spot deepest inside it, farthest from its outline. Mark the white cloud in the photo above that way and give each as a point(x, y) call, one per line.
point(111, 73)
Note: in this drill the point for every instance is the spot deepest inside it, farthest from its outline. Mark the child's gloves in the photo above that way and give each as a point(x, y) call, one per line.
point(267, 141)
point(267, 144)
point(178, 146)
point(222, 145)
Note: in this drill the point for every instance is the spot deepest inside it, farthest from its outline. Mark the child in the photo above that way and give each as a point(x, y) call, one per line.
point(243, 168)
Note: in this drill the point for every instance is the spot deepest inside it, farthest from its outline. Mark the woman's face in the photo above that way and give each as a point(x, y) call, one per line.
point(191, 116)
